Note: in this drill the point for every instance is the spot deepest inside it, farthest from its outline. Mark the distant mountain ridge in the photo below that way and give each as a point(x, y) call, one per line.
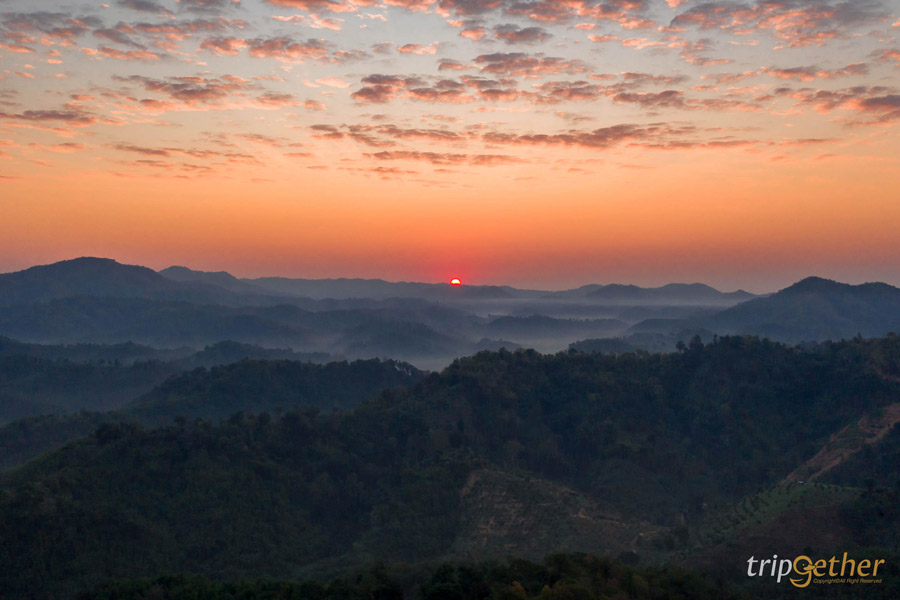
point(379, 288)
point(685, 292)
point(91, 300)
point(106, 278)
point(814, 309)
point(93, 276)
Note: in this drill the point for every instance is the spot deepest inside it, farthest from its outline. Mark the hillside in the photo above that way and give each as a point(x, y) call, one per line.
point(252, 386)
point(106, 278)
point(816, 309)
point(631, 447)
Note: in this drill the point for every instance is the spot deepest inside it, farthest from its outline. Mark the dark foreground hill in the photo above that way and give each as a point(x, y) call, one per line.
point(32, 386)
point(252, 386)
point(501, 454)
point(38, 380)
point(558, 577)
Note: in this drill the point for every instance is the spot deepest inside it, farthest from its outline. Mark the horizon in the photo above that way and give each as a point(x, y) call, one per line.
point(447, 281)
point(538, 144)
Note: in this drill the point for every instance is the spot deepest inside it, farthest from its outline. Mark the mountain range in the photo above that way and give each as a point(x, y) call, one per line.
point(154, 423)
point(91, 300)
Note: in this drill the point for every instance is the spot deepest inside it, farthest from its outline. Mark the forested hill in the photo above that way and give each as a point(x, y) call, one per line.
point(251, 386)
point(614, 448)
point(255, 386)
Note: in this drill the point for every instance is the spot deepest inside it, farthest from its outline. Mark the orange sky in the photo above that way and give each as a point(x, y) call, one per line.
point(627, 141)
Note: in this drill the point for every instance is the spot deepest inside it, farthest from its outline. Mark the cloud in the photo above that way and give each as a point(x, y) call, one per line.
point(146, 6)
point(335, 82)
point(314, 21)
point(468, 7)
point(811, 73)
point(62, 27)
point(202, 93)
point(165, 34)
point(287, 50)
point(453, 65)
point(656, 136)
point(475, 34)
point(418, 48)
point(190, 90)
point(640, 79)
point(142, 150)
point(224, 46)
point(17, 48)
point(513, 34)
point(379, 89)
point(282, 49)
point(316, 6)
point(141, 55)
point(721, 78)
point(560, 91)
point(544, 11)
point(117, 35)
point(520, 64)
point(878, 103)
point(884, 108)
point(653, 100)
point(445, 90)
point(70, 116)
point(601, 39)
point(797, 22)
point(602, 138)
point(387, 135)
point(65, 148)
point(692, 51)
point(442, 158)
point(887, 55)
point(206, 6)
point(801, 73)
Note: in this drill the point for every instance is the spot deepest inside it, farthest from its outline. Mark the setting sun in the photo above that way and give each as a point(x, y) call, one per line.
point(455, 281)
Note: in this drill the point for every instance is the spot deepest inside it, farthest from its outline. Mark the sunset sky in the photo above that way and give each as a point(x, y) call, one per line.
point(542, 144)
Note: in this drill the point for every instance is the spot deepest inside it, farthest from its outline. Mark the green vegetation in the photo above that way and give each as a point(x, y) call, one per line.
point(757, 509)
point(32, 386)
point(251, 386)
point(642, 442)
point(558, 577)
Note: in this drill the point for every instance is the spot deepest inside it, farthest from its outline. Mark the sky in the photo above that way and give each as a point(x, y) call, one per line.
point(543, 144)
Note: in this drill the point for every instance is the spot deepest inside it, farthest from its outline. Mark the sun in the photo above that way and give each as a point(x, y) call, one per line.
point(455, 281)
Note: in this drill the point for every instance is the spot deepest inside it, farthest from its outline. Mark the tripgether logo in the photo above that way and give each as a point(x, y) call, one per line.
point(824, 570)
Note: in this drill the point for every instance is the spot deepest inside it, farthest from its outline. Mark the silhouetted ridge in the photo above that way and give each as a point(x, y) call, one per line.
point(820, 285)
point(78, 277)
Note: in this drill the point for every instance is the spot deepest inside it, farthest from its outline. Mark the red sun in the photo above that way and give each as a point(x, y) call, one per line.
point(455, 281)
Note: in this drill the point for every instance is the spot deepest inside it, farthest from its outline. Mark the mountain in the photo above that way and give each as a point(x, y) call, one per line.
point(160, 323)
point(816, 309)
point(252, 386)
point(673, 293)
point(560, 576)
point(32, 386)
point(91, 301)
point(220, 279)
point(104, 277)
point(538, 327)
point(380, 289)
point(500, 451)
point(121, 353)
point(256, 386)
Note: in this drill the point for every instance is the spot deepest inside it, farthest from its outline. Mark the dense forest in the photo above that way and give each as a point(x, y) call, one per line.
point(502, 453)
point(558, 577)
